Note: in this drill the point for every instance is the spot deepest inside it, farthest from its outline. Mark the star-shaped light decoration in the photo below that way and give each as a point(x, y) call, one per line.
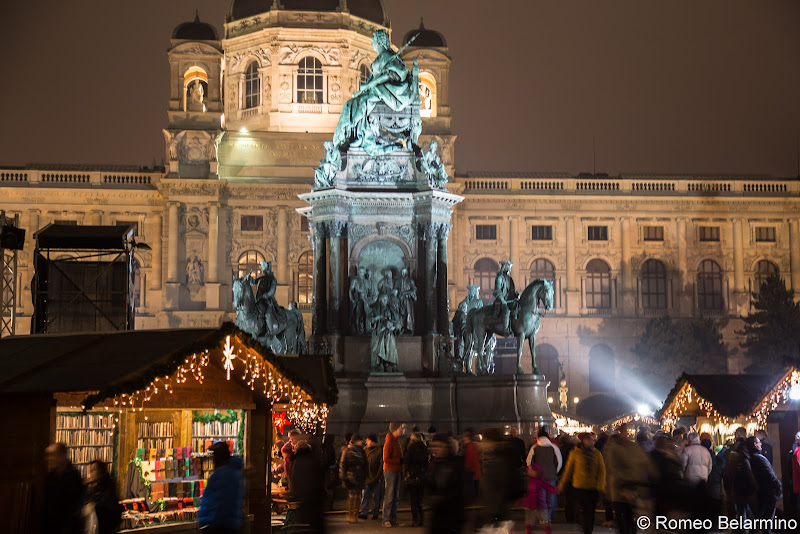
point(227, 353)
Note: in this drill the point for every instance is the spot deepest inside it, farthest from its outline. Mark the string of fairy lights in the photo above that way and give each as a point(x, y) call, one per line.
point(257, 373)
point(788, 387)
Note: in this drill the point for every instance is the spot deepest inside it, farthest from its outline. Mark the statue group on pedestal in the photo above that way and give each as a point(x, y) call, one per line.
point(511, 314)
point(259, 314)
point(383, 311)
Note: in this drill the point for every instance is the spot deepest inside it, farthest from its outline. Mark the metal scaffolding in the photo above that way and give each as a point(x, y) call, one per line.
point(8, 283)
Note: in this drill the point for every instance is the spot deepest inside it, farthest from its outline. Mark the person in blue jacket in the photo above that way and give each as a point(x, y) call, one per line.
point(223, 499)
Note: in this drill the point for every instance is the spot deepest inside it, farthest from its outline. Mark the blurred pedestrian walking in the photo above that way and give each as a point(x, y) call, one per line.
point(586, 472)
point(545, 454)
point(63, 493)
point(536, 501)
point(769, 487)
point(102, 493)
point(415, 472)
point(353, 474)
point(446, 488)
point(222, 505)
point(629, 472)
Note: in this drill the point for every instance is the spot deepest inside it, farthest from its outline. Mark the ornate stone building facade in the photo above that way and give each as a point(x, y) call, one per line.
point(248, 114)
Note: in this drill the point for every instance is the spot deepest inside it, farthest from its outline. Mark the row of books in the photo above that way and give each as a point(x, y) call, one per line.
point(85, 437)
point(203, 445)
point(169, 453)
point(84, 455)
point(85, 422)
point(156, 429)
point(155, 443)
point(215, 428)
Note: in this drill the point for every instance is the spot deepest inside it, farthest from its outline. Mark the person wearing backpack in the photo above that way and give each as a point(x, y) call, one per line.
point(769, 487)
point(740, 484)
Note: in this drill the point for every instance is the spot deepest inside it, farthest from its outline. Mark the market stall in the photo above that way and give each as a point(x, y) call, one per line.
point(150, 403)
point(631, 418)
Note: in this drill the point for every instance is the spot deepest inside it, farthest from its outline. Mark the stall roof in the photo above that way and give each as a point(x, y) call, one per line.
point(731, 395)
point(47, 363)
point(67, 236)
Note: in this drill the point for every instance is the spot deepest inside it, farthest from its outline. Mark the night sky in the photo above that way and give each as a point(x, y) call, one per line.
point(678, 86)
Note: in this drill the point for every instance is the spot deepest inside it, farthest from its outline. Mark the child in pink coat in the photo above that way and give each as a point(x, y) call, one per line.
point(535, 501)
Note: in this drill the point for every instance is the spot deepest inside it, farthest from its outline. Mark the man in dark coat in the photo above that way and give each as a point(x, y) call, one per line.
point(63, 493)
point(446, 487)
point(373, 490)
point(769, 487)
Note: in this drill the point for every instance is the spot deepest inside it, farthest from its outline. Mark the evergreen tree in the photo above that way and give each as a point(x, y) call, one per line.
point(669, 347)
point(772, 330)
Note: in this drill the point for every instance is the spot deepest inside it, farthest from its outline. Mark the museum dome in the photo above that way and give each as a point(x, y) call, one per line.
point(366, 9)
point(195, 30)
point(427, 38)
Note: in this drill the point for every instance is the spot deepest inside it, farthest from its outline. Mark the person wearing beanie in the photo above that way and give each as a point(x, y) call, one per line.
point(353, 474)
point(221, 507)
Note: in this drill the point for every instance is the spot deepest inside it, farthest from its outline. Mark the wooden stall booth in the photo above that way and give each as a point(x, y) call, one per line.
point(149, 404)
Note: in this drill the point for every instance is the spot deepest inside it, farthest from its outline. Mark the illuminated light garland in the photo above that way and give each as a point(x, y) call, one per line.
point(778, 395)
point(630, 418)
point(567, 425)
point(257, 372)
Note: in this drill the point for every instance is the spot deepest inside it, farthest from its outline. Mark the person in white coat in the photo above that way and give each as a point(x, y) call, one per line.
point(697, 461)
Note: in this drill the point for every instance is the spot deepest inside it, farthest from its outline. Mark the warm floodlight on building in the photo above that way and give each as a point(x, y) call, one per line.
point(243, 129)
point(644, 409)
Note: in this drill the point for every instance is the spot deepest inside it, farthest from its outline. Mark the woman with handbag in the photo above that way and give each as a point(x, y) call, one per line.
point(415, 472)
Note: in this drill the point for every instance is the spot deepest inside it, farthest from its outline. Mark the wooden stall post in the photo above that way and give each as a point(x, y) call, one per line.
point(259, 450)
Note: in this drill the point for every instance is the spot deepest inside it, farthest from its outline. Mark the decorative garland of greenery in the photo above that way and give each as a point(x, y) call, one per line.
point(240, 436)
point(213, 339)
point(200, 417)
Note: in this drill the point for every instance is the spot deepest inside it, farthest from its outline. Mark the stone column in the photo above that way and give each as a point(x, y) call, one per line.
point(155, 244)
point(573, 292)
point(172, 301)
point(214, 300)
point(628, 295)
point(441, 281)
point(337, 249)
point(320, 299)
point(213, 242)
point(431, 255)
point(683, 289)
point(794, 254)
point(513, 241)
point(738, 256)
point(96, 218)
point(282, 291)
point(172, 243)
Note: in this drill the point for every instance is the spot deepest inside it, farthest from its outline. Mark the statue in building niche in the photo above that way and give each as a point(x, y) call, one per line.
point(194, 101)
point(194, 271)
point(510, 315)
point(391, 84)
point(384, 325)
point(259, 314)
point(361, 297)
point(433, 167)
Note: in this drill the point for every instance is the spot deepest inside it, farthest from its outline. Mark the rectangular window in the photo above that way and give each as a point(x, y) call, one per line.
point(598, 233)
point(127, 224)
point(252, 223)
point(486, 231)
point(653, 233)
point(708, 233)
point(765, 234)
point(542, 233)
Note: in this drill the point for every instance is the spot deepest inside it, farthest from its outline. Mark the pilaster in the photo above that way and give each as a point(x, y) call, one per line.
point(573, 292)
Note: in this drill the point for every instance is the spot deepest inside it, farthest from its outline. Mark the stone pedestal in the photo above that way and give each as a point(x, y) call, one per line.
point(387, 400)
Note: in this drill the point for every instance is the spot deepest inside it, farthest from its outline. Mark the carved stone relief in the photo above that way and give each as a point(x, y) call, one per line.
point(195, 219)
point(286, 88)
point(289, 54)
point(334, 90)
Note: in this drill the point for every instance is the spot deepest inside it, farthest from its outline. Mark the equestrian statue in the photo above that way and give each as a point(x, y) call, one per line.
point(510, 315)
point(259, 314)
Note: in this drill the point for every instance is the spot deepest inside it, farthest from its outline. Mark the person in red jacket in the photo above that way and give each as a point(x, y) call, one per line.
point(472, 463)
point(795, 459)
point(392, 467)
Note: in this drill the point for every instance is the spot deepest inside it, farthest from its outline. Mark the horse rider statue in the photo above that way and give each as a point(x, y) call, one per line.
point(266, 284)
point(506, 296)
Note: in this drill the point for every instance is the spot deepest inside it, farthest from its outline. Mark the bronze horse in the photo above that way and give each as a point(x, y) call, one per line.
point(524, 323)
point(289, 335)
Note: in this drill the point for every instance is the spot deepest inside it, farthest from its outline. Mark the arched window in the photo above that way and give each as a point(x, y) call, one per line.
point(427, 95)
point(542, 268)
point(309, 81)
point(547, 361)
point(484, 275)
point(709, 286)
point(598, 285)
point(602, 369)
point(363, 73)
point(654, 285)
point(305, 278)
point(250, 260)
point(764, 269)
point(252, 87)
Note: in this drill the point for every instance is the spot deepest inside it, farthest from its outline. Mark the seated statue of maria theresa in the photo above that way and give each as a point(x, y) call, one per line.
point(390, 87)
